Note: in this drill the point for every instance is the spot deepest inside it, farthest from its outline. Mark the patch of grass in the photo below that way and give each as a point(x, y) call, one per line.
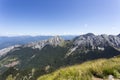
point(100, 68)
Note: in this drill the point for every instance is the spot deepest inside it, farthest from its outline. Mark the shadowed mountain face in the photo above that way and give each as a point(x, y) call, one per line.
point(48, 55)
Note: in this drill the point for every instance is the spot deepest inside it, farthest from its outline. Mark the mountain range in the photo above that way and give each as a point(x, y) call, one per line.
point(21, 40)
point(34, 59)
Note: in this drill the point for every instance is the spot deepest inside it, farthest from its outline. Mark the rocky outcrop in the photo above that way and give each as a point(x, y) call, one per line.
point(4, 51)
point(40, 44)
point(118, 35)
point(35, 45)
point(93, 41)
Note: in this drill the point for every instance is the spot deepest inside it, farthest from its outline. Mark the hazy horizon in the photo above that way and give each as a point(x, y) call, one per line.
point(59, 17)
point(53, 35)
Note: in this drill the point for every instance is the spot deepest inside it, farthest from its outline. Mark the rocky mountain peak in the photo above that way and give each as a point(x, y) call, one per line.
point(93, 42)
point(89, 34)
point(40, 44)
point(96, 41)
point(56, 40)
point(118, 35)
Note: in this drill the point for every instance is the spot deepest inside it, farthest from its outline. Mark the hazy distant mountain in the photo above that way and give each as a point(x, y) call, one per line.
point(48, 55)
point(20, 40)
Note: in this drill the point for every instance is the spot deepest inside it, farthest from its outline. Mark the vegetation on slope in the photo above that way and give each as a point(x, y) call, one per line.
point(42, 61)
point(100, 68)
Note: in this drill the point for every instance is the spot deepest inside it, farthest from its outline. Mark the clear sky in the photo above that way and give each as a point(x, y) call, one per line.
point(59, 17)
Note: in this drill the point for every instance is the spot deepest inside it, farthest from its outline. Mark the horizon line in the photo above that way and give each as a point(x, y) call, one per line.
point(13, 35)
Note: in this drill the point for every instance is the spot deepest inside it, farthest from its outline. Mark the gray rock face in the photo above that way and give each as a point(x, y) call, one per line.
point(97, 41)
point(90, 42)
point(118, 35)
point(35, 45)
point(52, 41)
point(4, 51)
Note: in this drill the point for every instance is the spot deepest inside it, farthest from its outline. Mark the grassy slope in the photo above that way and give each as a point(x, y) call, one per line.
point(100, 68)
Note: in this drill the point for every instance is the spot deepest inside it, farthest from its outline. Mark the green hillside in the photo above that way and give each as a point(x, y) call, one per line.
point(100, 68)
point(33, 62)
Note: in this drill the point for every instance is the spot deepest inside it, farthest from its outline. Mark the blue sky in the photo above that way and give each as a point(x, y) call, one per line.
point(59, 17)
